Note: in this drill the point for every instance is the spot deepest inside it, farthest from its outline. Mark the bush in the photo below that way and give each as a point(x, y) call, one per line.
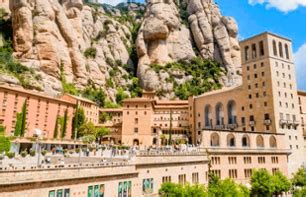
point(1, 157)
point(300, 192)
point(5, 144)
point(90, 52)
point(10, 155)
point(77, 150)
point(44, 152)
point(32, 152)
point(24, 153)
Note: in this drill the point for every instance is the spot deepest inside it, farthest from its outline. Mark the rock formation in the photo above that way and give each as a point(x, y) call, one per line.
point(69, 42)
point(52, 37)
point(163, 38)
point(215, 36)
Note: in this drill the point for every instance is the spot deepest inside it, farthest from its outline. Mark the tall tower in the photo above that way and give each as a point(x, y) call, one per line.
point(269, 79)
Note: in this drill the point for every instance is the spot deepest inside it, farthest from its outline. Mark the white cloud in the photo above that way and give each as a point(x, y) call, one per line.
point(300, 61)
point(112, 2)
point(282, 5)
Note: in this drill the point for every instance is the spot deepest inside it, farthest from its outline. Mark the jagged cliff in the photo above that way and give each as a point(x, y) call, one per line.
point(70, 43)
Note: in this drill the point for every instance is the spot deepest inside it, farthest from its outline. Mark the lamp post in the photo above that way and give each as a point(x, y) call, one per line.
point(38, 134)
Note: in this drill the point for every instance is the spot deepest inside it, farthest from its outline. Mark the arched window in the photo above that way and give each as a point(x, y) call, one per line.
point(260, 141)
point(287, 51)
point(273, 143)
point(231, 142)
point(214, 140)
point(245, 141)
point(274, 48)
point(280, 46)
point(136, 142)
point(208, 116)
point(154, 141)
point(219, 114)
point(247, 53)
point(231, 112)
point(254, 51)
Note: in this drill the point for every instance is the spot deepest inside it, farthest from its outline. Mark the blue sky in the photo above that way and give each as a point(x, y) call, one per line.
point(284, 17)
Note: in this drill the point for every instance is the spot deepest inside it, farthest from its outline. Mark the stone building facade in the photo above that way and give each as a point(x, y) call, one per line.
point(302, 108)
point(141, 177)
point(264, 109)
point(42, 112)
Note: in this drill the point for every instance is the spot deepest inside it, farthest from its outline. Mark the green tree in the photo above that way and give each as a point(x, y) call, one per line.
point(17, 131)
point(77, 121)
point(96, 95)
point(261, 182)
point(24, 118)
point(2, 130)
point(88, 139)
point(280, 183)
point(64, 124)
point(55, 133)
point(5, 144)
point(299, 178)
point(86, 129)
point(120, 96)
point(101, 132)
point(300, 192)
point(171, 190)
point(20, 124)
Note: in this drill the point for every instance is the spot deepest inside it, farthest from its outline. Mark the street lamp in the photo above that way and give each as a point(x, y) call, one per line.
point(37, 134)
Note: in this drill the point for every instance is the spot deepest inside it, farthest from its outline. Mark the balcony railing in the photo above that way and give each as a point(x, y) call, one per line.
point(296, 123)
point(268, 122)
point(282, 122)
point(252, 123)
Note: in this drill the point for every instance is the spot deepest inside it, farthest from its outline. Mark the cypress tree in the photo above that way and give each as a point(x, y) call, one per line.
point(23, 119)
point(18, 123)
point(55, 133)
point(64, 124)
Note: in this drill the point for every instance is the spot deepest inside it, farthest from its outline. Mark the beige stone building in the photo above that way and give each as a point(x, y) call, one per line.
point(142, 176)
point(91, 109)
point(260, 117)
point(302, 108)
point(148, 121)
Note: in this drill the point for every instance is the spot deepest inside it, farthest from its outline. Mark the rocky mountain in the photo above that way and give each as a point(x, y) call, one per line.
point(69, 45)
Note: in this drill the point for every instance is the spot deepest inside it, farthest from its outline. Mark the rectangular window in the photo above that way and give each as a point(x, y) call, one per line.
point(147, 186)
point(195, 178)
point(166, 179)
point(182, 179)
point(247, 173)
point(261, 48)
point(232, 173)
point(274, 170)
point(125, 189)
point(216, 173)
point(135, 130)
point(261, 160)
point(247, 160)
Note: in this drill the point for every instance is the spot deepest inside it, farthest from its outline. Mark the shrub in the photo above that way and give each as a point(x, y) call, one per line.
point(44, 152)
point(5, 144)
point(300, 192)
point(24, 153)
point(77, 150)
point(32, 152)
point(90, 52)
point(10, 155)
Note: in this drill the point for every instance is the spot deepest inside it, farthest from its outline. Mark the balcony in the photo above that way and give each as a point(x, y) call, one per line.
point(232, 126)
point(282, 122)
point(296, 123)
point(219, 127)
point(252, 123)
point(208, 127)
point(268, 122)
point(289, 122)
